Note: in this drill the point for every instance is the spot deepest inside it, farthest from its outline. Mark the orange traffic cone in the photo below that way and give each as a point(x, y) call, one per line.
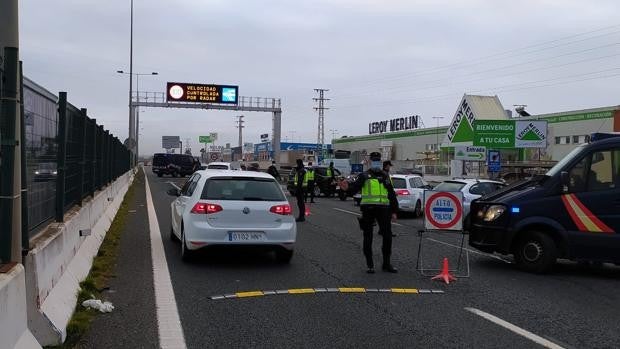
point(445, 273)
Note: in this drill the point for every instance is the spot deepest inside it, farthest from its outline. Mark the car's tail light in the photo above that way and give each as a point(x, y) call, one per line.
point(284, 210)
point(402, 192)
point(206, 208)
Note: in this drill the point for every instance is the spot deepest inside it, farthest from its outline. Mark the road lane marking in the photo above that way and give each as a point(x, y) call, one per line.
point(359, 214)
point(472, 251)
point(340, 290)
point(301, 290)
point(174, 185)
point(249, 294)
point(351, 290)
point(168, 319)
point(518, 330)
point(404, 290)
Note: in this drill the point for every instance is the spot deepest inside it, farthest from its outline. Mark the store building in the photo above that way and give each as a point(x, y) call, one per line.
point(435, 145)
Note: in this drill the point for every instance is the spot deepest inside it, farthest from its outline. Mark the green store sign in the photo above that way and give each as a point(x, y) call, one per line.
point(494, 133)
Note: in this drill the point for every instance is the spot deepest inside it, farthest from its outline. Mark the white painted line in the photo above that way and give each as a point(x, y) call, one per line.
point(359, 214)
point(346, 211)
point(168, 320)
point(472, 251)
point(518, 330)
point(174, 185)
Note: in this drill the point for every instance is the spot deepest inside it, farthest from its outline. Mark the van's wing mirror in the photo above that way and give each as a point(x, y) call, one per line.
point(564, 178)
point(174, 192)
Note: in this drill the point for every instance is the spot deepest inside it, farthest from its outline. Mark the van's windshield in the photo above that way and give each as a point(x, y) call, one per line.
point(568, 158)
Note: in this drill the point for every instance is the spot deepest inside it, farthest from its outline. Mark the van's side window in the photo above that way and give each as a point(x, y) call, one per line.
point(578, 176)
point(603, 173)
point(597, 172)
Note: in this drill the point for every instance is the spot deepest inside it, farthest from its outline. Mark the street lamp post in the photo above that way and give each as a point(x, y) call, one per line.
point(131, 120)
point(136, 133)
point(437, 138)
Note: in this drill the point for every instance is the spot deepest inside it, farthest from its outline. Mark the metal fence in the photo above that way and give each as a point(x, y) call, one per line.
point(68, 156)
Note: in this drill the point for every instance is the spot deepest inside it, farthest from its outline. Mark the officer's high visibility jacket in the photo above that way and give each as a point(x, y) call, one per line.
point(305, 181)
point(310, 175)
point(374, 193)
point(329, 172)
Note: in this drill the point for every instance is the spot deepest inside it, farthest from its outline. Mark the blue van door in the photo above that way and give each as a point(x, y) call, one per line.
point(593, 205)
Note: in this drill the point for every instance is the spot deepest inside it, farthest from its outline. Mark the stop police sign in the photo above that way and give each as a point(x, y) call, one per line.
point(443, 210)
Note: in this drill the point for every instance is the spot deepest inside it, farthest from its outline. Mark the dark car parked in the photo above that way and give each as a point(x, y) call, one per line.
point(174, 164)
point(323, 184)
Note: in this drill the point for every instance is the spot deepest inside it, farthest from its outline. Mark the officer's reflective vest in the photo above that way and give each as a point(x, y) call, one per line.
point(304, 183)
point(329, 172)
point(310, 175)
point(374, 193)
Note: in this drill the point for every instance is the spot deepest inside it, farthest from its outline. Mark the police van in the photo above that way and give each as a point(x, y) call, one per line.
point(571, 212)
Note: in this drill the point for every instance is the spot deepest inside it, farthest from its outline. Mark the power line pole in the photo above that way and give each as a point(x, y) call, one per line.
point(240, 127)
point(187, 144)
point(321, 109)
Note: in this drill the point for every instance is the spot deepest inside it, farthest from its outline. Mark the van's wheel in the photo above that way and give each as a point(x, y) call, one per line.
point(342, 195)
point(159, 174)
point(284, 256)
point(174, 174)
point(418, 209)
point(186, 255)
point(535, 252)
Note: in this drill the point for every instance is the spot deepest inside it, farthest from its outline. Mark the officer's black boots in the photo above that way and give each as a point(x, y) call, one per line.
point(389, 268)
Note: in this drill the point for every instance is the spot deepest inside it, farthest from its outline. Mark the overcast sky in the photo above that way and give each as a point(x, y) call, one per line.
point(379, 59)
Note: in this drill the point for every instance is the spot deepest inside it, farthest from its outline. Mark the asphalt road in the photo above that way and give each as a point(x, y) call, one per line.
point(575, 307)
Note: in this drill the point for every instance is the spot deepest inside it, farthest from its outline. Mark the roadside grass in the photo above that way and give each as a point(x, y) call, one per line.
point(100, 273)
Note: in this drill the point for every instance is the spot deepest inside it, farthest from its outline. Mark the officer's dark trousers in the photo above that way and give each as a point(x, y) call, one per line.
point(310, 191)
point(301, 205)
point(382, 215)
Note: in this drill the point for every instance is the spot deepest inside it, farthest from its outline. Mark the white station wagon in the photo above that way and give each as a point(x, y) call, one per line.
point(232, 208)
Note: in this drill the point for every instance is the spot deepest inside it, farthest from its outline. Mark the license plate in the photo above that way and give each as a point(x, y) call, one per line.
point(246, 236)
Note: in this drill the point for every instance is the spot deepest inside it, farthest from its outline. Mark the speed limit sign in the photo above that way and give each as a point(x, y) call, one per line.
point(214, 156)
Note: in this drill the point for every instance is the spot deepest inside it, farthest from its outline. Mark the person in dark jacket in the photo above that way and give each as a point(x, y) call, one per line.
point(301, 184)
point(378, 204)
point(272, 170)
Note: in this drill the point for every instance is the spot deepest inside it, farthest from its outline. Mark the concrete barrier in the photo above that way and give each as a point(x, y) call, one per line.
point(14, 331)
point(60, 259)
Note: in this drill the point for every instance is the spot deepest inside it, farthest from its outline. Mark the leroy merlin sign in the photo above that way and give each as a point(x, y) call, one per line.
point(510, 133)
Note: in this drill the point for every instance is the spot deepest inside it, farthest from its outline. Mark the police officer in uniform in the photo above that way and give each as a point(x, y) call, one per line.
point(301, 184)
point(311, 183)
point(378, 204)
point(331, 177)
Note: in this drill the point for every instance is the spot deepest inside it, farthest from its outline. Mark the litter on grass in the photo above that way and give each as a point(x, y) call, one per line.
point(104, 307)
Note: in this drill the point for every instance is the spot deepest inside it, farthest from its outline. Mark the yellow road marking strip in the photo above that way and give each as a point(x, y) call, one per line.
point(301, 290)
point(404, 290)
point(352, 289)
point(583, 216)
point(249, 294)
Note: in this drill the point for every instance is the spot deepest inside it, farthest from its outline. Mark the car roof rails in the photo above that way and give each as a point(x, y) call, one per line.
point(599, 136)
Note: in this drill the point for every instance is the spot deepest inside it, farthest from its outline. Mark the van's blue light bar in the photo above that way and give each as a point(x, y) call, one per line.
point(600, 136)
point(515, 209)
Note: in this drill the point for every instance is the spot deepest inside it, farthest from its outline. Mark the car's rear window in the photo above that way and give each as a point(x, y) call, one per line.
point(217, 167)
point(242, 188)
point(450, 186)
point(399, 183)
